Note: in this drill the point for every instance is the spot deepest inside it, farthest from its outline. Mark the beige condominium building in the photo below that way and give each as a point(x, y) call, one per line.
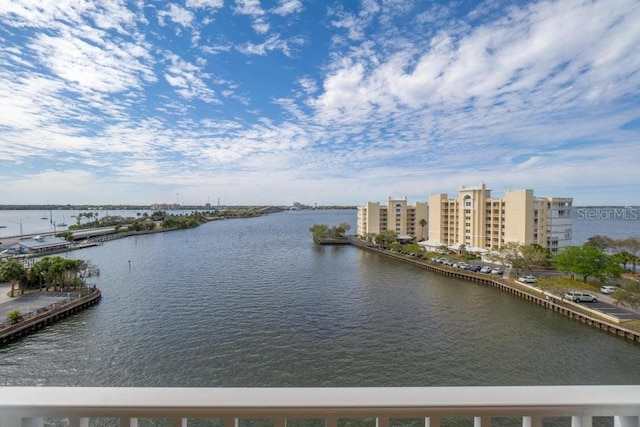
point(474, 219)
point(397, 215)
point(477, 220)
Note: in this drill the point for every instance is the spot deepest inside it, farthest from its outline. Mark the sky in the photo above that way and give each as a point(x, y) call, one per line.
point(254, 102)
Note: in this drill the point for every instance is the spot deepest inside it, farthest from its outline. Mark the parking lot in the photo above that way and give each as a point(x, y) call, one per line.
point(605, 305)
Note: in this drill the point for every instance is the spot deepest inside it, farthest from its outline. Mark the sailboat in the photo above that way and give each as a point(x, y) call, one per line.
point(62, 224)
point(44, 215)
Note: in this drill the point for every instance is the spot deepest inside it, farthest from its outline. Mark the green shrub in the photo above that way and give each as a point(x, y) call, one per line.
point(14, 317)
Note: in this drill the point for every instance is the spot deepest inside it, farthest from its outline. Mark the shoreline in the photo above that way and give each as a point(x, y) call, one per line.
point(47, 315)
point(594, 319)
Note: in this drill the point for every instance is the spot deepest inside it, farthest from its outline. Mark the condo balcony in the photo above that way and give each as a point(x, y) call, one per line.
point(529, 406)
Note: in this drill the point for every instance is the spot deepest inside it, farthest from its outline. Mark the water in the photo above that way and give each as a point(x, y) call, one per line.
point(253, 302)
point(13, 222)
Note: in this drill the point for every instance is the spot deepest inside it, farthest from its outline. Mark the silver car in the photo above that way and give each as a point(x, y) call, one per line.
point(580, 297)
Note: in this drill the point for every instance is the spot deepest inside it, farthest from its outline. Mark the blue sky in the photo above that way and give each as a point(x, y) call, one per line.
point(256, 102)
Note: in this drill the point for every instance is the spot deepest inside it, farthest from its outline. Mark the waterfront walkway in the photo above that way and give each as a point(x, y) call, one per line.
point(40, 309)
point(29, 303)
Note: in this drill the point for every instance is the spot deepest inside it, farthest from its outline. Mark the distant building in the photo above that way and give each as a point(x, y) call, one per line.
point(474, 219)
point(38, 245)
point(477, 220)
point(396, 215)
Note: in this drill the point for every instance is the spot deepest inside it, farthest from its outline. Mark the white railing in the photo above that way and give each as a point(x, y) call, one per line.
point(29, 406)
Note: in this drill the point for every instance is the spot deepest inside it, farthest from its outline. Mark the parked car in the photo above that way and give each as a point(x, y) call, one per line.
point(486, 269)
point(527, 279)
point(475, 268)
point(497, 270)
point(608, 289)
point(580, 297)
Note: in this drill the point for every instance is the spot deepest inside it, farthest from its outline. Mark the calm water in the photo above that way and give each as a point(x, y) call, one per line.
point(254, 302)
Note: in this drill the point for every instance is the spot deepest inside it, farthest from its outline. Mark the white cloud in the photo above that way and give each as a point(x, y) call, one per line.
point(287, 7)
point(188, 79)
point(90, 67)
point(271, 44)
point(253, 9)
point(178, 15)
point(212, 4)
point(533, 98)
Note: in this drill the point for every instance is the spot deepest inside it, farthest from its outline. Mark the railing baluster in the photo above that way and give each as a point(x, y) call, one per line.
point(432, 422)
point(382, 421)
point(75, 422)
point(531, 421)
point(331, 422)
point(481, 421)
point(626, 421)
point(229, 422)
point(280, 422)
point(130, 422)
point(581, 421)
point(178, 422)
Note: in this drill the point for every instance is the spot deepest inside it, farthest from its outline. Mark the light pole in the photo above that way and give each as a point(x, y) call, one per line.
point(20, 224)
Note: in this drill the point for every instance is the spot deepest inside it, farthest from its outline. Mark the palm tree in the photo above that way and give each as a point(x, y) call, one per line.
point(13, 271)
point(423, 224)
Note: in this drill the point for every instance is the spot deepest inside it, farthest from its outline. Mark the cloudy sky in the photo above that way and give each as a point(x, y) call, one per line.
point(327, 102)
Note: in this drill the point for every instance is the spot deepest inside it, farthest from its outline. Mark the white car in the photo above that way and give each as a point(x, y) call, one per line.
point(580, 297)
point(527, 279)
point(608, 289)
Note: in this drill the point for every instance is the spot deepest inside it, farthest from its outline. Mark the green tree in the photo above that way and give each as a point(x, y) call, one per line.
point(412, 248)
point(534, 255)
point(58, 272)
point(628, 295)
point(319, 231)
point(601, 242)
point(509, 254)
point(423, 224)
point(339, 230)
point(632, 245)
point(386, 237)
point(623, 258)
point(587, 261)
point(13, 271)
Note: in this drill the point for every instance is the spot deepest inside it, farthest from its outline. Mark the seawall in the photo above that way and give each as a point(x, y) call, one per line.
point(590, 320)
point(48, 317)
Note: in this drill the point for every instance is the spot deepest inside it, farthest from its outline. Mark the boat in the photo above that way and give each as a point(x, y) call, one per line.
point(62, 224)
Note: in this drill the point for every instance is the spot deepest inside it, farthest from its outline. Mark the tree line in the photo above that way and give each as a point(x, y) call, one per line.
point(48, 272)
point(601, 259)
point(323, 231)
